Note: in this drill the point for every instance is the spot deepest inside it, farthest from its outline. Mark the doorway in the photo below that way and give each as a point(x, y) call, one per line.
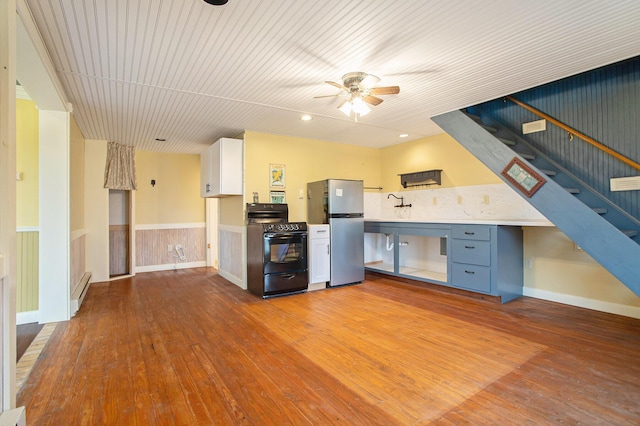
point(119, 233)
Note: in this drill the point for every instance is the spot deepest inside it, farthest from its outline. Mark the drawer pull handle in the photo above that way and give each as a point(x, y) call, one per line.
point(469, 272)
point(469, 233)
point(470, 247)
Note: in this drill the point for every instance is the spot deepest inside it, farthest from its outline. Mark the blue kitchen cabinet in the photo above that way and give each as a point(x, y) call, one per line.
point(483, 258)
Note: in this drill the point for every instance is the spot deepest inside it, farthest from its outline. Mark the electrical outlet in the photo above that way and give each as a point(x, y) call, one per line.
point(169, 247)
point(459, 199)
point(435, 201)
point(485, 199)
point(529, 263)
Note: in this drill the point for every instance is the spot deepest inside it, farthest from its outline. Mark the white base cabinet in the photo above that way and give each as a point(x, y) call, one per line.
point(319, 252)
point(221, 168)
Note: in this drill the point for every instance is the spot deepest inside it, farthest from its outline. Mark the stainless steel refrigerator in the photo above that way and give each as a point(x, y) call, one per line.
point(340, 203)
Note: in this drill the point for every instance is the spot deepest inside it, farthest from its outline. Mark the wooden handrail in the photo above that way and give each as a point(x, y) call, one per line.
point(574, 132)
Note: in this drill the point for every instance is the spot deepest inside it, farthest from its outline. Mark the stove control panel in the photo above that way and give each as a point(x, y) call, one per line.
point(285, 227)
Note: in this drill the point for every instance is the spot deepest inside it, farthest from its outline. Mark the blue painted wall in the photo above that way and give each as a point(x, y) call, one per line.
point(603, 104)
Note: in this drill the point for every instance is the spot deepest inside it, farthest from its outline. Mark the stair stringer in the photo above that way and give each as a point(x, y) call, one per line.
point(600, 239)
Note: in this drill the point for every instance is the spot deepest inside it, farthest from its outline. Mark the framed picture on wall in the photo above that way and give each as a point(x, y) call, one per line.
point(277, 197)
point(276, 176)
point(523, 177)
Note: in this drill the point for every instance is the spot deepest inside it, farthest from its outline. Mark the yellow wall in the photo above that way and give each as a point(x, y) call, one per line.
point(459, 167)
point(175, 197)
point(559, 268)
point(76, 176)
point(27, 139)
point(305, 160)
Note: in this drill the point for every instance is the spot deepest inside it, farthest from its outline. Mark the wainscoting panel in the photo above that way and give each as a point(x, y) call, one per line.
point(27, 279)
point(118, 250)
point(152, 246)
point(232, 263)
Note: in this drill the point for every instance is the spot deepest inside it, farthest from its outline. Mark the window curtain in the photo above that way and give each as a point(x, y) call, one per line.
point(120, 170)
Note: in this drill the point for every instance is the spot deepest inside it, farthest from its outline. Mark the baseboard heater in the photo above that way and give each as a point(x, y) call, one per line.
point(81, 290)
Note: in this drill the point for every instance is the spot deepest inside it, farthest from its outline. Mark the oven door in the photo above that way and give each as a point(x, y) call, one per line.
point(285, 252)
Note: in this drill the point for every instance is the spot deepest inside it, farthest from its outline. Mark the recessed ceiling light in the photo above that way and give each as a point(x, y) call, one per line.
point(306, 117)
point(161, 139)
point(404, 135)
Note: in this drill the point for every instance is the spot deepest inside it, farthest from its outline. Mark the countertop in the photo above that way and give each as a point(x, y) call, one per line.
point(470, 221)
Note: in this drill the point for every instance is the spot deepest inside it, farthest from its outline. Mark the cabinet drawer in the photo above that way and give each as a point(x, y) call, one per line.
point(471, 277)
point(471, 232)
point(474, 252)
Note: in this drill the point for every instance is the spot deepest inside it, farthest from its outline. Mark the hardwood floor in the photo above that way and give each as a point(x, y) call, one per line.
point(25, 333)
point(188, 347)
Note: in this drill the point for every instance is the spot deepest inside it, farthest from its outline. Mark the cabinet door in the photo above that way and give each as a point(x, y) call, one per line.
point(228, 160)
point(319, 261)
point(206, 170)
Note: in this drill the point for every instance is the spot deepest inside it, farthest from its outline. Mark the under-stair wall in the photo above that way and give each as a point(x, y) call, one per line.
point(603, 104)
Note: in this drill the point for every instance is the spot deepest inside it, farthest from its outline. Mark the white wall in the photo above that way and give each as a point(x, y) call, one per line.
point(55, 235)
point(96, 207)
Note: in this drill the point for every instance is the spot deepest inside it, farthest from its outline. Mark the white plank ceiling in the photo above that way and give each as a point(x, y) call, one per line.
point(189, 72)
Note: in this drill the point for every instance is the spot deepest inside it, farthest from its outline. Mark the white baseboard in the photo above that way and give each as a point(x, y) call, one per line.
point(80, 292)
point(27, 317)
point(170, 266)
point(236, 280)
point(583, 302)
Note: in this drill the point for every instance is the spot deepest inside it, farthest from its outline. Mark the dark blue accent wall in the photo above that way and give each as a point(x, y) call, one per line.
point(603, 104)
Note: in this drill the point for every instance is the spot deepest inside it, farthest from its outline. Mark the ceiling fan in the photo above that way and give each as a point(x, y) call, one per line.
point(361, 90)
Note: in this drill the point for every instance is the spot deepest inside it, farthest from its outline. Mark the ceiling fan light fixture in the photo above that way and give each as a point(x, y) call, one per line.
point(359, 107)
point(346, 107)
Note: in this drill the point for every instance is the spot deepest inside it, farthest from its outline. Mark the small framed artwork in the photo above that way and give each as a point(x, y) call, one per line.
point(276, 176)
point(523, 177)
point(277, 197)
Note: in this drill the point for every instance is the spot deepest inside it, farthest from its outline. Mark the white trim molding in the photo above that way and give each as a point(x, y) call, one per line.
point(583, 302)
point(78, 233)
point(170, 266)
point(28, 229)
point(142, 227)
point(27, 317)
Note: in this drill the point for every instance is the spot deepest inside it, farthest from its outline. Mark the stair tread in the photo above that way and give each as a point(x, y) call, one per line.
point(507, 141)
point(527, 156)
point(629, 232)
point(599, 210)
point(489, 128)
point(473, 116)
point(573, 190)
point(548, 172)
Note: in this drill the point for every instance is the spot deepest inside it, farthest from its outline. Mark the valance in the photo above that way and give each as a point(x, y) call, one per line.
point(120, 169)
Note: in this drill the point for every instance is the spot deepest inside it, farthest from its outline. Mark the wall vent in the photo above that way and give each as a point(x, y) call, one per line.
point(534, 126)
point(625, 183)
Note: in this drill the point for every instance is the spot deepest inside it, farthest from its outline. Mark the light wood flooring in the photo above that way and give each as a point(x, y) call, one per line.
point(187, 347)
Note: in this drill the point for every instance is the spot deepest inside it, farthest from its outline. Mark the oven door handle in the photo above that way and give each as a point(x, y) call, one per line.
point(282, 236)
point(287, 276)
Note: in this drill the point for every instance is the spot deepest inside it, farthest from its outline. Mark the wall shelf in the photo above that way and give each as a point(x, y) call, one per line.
point(424, 178)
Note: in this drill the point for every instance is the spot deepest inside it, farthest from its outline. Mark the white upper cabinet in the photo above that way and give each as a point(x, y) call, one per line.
point(221, 169)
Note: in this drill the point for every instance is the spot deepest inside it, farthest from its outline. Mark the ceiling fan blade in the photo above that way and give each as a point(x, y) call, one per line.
point(388, 90)
point(338, 85)
point(328, 96)
point(372, 100)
